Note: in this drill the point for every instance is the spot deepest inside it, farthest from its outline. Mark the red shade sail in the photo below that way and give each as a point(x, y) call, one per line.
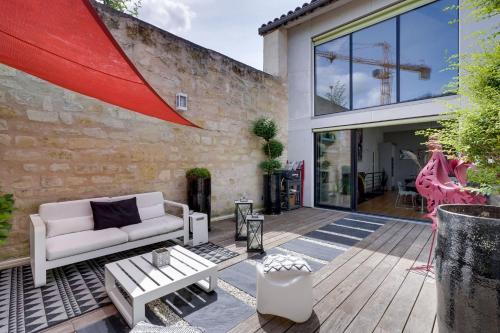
point(66, 43)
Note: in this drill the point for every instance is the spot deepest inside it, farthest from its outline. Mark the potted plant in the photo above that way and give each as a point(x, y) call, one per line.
point(468, 245)
point(6, 210)
point(267, 129)
point(199, 190)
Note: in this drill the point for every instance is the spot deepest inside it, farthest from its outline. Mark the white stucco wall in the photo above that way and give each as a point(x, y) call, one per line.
point(300, 85)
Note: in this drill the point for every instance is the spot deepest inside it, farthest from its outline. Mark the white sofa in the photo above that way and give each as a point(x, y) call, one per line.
point(63, 233)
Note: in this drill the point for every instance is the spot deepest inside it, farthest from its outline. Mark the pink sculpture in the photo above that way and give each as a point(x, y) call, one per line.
point(434, 184)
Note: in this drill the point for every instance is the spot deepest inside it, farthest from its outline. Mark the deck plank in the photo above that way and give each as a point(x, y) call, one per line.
point(398, 311)
point(347, 311)
point(367, 318)
point(423, 314)
point(348, 278)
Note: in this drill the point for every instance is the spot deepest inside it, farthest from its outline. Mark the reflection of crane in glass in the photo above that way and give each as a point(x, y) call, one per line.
point(384, 74)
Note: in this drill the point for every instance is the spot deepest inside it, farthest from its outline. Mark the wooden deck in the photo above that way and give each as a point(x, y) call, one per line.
point(368, 288)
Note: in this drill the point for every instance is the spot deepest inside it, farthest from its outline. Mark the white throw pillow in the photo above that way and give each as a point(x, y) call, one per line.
point(285, 263)
point(69, 225)
point(151, 212)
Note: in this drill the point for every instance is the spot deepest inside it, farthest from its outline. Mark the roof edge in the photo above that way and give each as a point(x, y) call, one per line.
point(306, 9)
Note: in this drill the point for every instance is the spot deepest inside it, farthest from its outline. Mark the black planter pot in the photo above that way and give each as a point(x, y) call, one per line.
point(272, 203)
point(468, 268)
point(199, 191)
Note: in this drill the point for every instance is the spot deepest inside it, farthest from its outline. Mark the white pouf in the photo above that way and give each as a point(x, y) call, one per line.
point(284, 288)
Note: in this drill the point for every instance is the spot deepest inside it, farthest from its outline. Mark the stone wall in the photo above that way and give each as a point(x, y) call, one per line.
point(57, 145)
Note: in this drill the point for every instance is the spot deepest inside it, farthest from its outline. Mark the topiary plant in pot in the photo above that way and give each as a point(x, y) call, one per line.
point(468, 236)
point(199, 189)
point(267, 129)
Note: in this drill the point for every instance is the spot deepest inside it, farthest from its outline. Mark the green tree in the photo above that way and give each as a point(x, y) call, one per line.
point(127, 6)
point(472, 129)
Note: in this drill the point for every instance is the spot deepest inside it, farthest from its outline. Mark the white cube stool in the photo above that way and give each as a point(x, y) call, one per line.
point(199, 225)
point(286, 293)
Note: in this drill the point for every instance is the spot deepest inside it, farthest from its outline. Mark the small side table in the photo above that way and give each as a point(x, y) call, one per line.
point(198, 223)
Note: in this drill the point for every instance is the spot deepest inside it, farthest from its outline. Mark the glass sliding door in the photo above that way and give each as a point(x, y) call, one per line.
point(333, 174)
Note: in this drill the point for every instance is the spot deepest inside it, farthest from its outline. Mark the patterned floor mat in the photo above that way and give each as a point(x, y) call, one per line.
point(70, 291)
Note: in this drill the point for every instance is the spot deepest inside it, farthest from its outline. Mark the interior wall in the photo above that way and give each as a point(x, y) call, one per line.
point(405, 168)
point(370, 157)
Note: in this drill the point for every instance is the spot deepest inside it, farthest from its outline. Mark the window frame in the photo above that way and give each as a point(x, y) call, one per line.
point(398, 56)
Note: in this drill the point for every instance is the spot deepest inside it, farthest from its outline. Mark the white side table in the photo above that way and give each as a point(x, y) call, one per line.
point(198, 223)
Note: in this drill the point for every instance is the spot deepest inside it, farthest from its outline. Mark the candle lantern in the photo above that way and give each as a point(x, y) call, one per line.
point(255, 233)
point(243, 207)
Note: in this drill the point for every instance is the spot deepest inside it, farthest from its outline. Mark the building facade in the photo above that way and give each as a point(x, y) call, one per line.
point(362, 77)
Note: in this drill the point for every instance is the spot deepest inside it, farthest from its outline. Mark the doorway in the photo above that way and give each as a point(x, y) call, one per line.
point(386, 161)
point(333, 169)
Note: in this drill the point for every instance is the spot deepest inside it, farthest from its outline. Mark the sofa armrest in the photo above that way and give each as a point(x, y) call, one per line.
point(185, 217)
point(37, 249)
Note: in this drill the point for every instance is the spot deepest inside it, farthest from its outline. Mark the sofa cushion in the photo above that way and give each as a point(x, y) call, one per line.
point(115, 214)
point(68, 216)
point(153, 227)
point(83, 241)
point(151, 212)
point(150, 204)
point(69, 225)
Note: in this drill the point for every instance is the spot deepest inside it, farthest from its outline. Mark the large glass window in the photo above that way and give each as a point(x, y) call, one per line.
point(333, 169)
point(332, 76)
point(374, 65)
point(400, 59)
point(427, 41)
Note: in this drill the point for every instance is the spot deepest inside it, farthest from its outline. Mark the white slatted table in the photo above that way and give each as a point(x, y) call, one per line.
point(144, 282)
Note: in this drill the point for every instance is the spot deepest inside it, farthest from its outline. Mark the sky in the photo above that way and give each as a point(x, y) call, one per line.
point(226, 26)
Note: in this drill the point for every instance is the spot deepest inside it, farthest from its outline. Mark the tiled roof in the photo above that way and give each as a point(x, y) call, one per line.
point(306, 9)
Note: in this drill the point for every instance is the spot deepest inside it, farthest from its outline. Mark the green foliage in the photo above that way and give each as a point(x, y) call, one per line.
point(273, 148)
point(270, 165)
point(199, 173)
point(130, 7)
point(482, 9)
point(472, 130)
point(325, 164)
point(6, 210)
point(267, 129)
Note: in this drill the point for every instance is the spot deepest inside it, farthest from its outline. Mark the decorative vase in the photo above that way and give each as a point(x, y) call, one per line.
point(161, 257)
point(199, 192)
point(468, 268)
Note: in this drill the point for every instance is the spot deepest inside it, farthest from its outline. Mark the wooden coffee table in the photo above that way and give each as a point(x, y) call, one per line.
point(144, 282)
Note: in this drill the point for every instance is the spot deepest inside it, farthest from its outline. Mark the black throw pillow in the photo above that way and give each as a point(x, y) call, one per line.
point(115, 214)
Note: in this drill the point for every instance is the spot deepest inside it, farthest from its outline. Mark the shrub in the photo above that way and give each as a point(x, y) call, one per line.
point(273, 148)
point(198, 173)
point(6, 210)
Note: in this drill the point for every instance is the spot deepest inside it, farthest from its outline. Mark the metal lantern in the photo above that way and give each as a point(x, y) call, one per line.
point(255, 233)
point(242, 208)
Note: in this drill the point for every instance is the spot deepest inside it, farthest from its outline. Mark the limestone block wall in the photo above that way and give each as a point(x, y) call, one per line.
point(57, 145)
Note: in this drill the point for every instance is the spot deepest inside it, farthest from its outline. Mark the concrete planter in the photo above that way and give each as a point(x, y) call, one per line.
point(468, 268)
